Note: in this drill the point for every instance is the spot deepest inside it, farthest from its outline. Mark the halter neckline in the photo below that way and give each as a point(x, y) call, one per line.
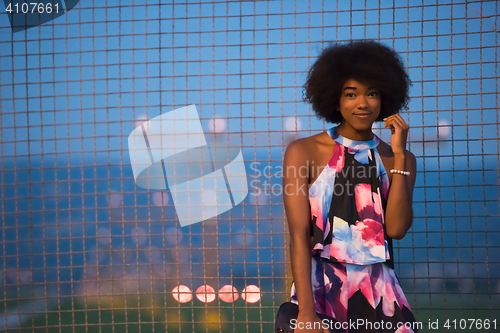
point(358, 145)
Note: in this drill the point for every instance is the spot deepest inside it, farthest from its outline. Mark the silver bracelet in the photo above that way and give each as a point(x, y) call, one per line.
point(401, 172)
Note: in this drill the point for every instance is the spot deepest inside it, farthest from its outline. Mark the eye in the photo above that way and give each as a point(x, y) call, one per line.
point(373, 93)
point(350, 95)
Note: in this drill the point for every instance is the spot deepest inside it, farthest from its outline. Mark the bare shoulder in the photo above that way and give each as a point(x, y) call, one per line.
point(306, 147)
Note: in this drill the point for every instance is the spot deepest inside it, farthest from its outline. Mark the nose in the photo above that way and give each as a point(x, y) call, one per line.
point(362, 102)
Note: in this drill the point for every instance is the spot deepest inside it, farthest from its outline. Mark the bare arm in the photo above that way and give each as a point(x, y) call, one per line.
point(296, 200)
point(399, 211)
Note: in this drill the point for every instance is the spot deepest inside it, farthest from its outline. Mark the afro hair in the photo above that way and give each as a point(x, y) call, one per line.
point(365, 61)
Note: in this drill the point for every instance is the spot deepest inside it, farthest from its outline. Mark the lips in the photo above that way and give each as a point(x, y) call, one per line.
point(362, 115)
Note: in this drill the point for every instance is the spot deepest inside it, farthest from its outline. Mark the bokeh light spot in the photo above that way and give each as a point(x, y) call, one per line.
point(251, 293)
point(205, 293)
point(182, 294)
point(228, 294)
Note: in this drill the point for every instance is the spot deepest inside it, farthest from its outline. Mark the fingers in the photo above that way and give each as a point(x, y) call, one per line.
point(396, 116)
point(396, 122)
point(399, 130)
point(400, 123)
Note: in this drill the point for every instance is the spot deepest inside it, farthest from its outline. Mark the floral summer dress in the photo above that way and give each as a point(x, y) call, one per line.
point(352, 268)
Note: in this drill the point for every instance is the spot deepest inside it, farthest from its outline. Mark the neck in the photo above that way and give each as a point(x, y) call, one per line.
point(354, 134)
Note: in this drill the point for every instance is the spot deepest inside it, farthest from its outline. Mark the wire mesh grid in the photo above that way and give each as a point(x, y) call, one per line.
point(86, 249)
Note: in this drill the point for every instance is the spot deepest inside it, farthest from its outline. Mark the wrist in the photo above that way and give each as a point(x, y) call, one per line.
point(307, 312)
point(400, 160)
point(399, 154)
point(307, 305)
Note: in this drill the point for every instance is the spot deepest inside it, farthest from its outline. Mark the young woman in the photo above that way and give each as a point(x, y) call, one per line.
point(358, 193)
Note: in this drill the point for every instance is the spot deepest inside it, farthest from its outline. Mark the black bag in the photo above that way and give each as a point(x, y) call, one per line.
point(289, 311)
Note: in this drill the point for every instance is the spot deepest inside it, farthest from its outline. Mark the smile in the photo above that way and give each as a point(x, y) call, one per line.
point(362, 115)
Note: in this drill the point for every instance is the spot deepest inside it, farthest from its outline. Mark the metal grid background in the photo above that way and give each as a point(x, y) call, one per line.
point(83, 249)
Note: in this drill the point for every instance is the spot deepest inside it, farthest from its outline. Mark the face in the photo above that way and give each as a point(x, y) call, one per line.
point(359, 105)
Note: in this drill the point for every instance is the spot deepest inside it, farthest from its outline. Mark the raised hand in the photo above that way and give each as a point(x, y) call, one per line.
point(399, 130)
